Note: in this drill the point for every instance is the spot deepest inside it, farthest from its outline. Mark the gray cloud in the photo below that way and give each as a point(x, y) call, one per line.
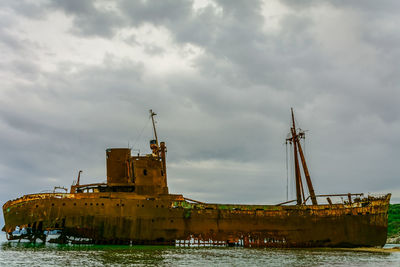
point(31, 9)
point(89, 20)
point(226, 119)
point(158, 12)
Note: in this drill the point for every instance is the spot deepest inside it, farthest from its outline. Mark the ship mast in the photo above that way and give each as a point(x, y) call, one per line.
point(296, 162)
point(152, 114)
point(158, 150)
point(297, 150)
point(307, 175)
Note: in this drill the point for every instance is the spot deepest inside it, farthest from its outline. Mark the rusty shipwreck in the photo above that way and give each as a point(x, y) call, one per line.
point(134, 207)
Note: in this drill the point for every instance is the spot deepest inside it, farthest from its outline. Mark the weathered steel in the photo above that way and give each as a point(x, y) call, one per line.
point(134, 207)
point(307, 175)
point(152, 114)
point(286, 202)
point(341, 195)
point(299, 187)
point(78, 180)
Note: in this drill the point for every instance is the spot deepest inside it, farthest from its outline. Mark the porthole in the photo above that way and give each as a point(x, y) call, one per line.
point(63, 204)
point(122, 204)
point(91, 204)
point(85, 204)
point(102, 204)
point(37, 206)
point(142, 206)
point(144, 172)
point(74, 204)
point(117, 205)
point(52, 204)
point(97, 204)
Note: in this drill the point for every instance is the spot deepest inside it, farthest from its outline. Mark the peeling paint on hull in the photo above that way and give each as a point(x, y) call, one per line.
point(126, 218)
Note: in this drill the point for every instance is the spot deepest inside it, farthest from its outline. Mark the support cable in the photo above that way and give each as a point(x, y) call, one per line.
point(291, 164)
point(287, 173)
point(141, 132)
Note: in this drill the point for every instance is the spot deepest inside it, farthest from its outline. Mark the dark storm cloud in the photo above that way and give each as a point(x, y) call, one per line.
point(32, 9)
point(234, 42)
point(225, 121)
point(157, 12)
point(88, 19)
point(233, 36)
point(369, 6)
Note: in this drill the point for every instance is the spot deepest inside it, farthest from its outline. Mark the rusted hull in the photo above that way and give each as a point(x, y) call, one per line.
point(168, 219)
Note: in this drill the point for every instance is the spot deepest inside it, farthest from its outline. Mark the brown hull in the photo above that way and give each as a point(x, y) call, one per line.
point(130, 218)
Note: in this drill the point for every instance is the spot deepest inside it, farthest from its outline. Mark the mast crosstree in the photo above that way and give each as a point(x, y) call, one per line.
point(298, 151)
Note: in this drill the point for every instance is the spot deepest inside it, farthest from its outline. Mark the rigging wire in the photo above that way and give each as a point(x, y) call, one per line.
point(291, 161)
point(141, 132)
point(287, 173)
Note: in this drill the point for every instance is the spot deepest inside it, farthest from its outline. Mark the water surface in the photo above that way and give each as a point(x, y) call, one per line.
point(25, 254)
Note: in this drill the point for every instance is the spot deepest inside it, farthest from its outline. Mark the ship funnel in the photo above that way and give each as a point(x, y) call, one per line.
point(118, 170)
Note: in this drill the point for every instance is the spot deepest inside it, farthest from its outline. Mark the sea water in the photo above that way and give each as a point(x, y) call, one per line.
point(26, 254)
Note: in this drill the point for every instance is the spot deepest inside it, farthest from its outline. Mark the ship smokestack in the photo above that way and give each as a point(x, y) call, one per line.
point(117, 168)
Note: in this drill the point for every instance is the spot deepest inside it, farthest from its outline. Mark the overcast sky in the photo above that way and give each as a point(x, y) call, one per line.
point(77, 77)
